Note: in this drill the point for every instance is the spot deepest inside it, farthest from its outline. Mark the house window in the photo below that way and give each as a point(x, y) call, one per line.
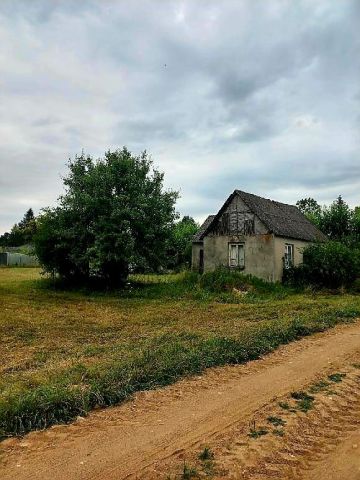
point(289, 255)
point(236, 255)
point(249, 226)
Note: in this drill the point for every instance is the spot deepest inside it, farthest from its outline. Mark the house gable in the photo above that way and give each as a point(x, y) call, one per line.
point(280, 219)
point(236, 218)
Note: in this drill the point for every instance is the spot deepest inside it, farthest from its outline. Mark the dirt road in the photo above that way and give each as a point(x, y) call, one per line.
point(160, 433)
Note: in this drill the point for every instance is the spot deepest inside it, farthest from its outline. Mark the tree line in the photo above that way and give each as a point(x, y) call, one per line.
point(338, 221)
point(116, 217)
point(21, 233)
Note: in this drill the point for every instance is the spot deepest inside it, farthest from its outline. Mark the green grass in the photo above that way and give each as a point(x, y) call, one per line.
point(65, 352)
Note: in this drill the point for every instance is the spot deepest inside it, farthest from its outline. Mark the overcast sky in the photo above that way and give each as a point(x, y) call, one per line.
point(257, 95)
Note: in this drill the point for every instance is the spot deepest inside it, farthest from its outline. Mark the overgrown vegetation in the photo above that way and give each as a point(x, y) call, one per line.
point(330, 265)
point(336, 263)
point(68, 351)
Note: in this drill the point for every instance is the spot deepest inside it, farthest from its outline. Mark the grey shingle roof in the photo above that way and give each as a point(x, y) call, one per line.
point(280, 218)
point(198, 235)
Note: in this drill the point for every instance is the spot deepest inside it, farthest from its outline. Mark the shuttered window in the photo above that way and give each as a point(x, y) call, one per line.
point(236, 255)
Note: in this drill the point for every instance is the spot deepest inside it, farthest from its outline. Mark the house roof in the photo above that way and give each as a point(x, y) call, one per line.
point(198, 235)
point(281, 219)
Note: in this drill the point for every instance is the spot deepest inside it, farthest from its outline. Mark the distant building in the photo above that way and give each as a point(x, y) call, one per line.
point(11, 259)
point(255, 235)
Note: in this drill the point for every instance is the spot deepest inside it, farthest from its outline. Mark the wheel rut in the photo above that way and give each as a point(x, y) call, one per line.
point(158, 434)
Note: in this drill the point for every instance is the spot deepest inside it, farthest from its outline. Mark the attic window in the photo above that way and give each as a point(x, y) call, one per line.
point(236, 255)
point(289, 255)
point(249, 226)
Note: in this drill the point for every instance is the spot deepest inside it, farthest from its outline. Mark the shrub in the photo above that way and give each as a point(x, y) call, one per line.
point(330, 265)
point(222, 279)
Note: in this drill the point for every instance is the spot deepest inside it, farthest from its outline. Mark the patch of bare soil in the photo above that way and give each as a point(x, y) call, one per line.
point(234, 411)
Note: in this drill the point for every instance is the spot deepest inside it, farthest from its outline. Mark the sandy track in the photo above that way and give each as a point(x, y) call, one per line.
point(342, 464)
point(148, 436)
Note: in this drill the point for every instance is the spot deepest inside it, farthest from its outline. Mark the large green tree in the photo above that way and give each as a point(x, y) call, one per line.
point(115, 215)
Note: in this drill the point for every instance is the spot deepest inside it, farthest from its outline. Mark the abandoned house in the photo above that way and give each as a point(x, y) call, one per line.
point(255, 235)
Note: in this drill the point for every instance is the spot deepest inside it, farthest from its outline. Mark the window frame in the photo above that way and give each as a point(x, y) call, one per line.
point(289, 259)
point(239, 246)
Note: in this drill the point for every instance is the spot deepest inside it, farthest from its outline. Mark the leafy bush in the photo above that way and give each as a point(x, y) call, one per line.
point(225, 280)
point(330, 265)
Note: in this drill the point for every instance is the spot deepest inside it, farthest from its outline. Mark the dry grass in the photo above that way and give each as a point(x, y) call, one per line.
point(49, 333)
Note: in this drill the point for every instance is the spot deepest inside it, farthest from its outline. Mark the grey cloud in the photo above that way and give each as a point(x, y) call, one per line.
point(252, 95)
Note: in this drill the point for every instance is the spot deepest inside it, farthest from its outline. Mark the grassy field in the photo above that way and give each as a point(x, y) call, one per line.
point(66, 352)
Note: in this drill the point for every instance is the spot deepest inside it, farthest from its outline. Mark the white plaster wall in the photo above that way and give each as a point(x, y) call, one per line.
point(280, 242)
point(259, 254)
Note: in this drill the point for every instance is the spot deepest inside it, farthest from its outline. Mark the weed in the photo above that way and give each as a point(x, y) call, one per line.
point(208, 467)
point(257, 432)
point(279, 432)
point(304, 401)
point(189, 472)
point(276, 421)
point(336, 377)
point(305, 405)
point(319, 386)
point(356, 365)
point(301, 395)
point(286, 406)
point(331, 392)
point(206, 454)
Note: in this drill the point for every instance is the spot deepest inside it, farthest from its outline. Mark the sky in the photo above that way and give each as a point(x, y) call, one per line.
point(257, 95)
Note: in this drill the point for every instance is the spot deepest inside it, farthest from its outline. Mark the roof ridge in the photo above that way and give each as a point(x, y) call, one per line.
point(264, 198)
point(281, 219)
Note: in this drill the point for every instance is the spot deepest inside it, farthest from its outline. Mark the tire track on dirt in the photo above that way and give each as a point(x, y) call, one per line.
point(308, 438)
point(150, 436)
